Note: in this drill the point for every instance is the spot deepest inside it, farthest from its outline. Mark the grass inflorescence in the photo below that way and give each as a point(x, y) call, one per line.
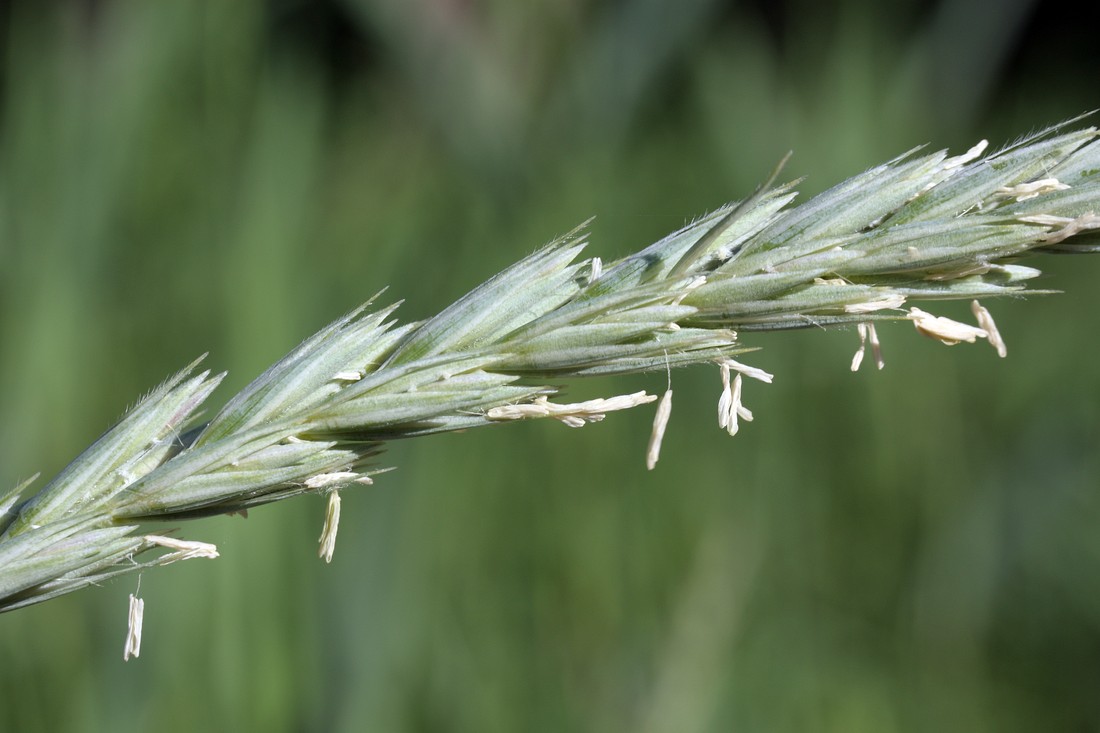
point(921, 227)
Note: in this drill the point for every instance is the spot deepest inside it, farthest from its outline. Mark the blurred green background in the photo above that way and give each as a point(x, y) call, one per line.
point(909, 550)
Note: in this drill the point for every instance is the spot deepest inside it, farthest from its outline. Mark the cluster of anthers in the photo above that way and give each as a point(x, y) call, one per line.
point(944, 330)
point(731, 409)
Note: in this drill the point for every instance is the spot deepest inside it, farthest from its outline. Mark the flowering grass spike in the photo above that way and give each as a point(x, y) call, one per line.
point(921, 227)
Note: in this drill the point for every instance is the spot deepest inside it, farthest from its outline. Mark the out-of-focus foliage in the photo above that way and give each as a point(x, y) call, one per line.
point(907, 550)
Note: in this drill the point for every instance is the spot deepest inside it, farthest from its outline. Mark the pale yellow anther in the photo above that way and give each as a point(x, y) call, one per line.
point(335, 478)
point(327, 539)
point(182, 549)
point(735, 406)
point(893, 300)
point(1025, 191)
point(876, 347)
point(960, 160)
point(725, 399)
point(595, 270)
point(857, 359)
point(943, 329)
point(1069, 225)
point(749, 371)
point(134, 620)
point(574, 415)
point(985, 320)
point(660, 421)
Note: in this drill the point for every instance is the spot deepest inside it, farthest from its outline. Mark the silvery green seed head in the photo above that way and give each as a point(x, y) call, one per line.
point(921, 227)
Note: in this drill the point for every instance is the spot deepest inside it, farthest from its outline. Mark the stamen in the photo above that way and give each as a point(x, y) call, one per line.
point(960, 160)
point(660, 421)
point(726, 398)
point(943, 329)
point(575, 415)
point(876, 347)
point(331, 526)
point(886, 302)
point(1070, 225)
point(736, 408)
point(183, 549)
point(1025, 191)
point(595, 270)
point(749, 371)
point(133, 628)
point(985, 320)
point(857, 360)
point(322, 480)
